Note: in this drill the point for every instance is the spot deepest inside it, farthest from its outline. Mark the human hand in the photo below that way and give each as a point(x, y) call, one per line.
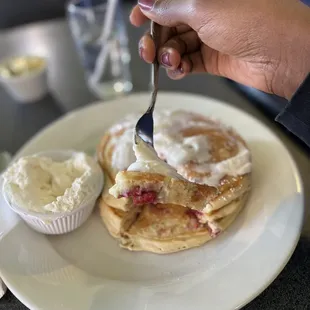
point(264, 44)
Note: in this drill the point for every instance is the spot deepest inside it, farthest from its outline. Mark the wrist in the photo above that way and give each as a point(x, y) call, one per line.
point(295, 63)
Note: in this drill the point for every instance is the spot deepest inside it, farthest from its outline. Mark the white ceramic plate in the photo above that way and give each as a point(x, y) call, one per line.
point(87, 270)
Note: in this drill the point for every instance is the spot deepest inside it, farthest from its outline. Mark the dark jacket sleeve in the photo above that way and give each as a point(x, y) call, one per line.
point(296, 115)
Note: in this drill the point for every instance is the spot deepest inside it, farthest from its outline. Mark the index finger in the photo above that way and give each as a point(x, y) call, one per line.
point(137, 18)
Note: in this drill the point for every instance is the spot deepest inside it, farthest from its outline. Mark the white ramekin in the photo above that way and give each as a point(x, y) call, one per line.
point(27, 88)
point(59, 223)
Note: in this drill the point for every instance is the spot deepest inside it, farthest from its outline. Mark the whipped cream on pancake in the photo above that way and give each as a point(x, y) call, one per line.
point(123, 154)
point(239, 164)
point(180, 140)
point(178, 150)
point(148, 161)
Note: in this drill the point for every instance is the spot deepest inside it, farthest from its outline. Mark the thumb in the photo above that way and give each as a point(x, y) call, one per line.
point(168, 13)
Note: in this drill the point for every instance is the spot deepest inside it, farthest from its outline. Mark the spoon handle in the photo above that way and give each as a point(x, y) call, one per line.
point(155, 33)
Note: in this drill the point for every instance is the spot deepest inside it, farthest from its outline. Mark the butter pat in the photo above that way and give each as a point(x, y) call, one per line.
point(43, 185)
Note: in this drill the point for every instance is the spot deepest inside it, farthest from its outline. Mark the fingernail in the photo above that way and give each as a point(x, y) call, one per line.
point(141, 52)
point(141, 49)
point(146, 5)
point(165, 60)
point(178, 71)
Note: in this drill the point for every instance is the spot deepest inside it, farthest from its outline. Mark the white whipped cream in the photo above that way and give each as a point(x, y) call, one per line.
point(178, 150)
point(42, 185)
point(168, 142)
point(123, 154)
point(148, 161)
point(239, 164)
point(175, 149)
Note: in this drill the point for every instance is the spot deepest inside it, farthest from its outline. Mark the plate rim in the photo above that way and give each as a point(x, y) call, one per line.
point(94, 104)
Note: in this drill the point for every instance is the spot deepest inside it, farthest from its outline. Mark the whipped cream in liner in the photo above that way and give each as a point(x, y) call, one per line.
point(40, 184)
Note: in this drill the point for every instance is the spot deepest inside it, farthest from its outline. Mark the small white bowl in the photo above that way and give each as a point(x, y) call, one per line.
point(59, 223)
point(30, 84)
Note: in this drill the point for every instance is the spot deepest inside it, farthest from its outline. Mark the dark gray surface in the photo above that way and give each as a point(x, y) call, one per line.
point(18, 12)
point(291, 290)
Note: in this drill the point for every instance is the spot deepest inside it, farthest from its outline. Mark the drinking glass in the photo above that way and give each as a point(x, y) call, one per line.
point(99, 32)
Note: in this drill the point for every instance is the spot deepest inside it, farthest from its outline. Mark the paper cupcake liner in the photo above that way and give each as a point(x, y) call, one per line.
point(61, 225)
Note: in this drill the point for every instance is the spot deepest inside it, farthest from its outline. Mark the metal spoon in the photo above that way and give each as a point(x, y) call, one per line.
point(145, 125)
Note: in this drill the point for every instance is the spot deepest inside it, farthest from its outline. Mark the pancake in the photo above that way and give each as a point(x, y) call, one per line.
point(112, 218)
point(142, 187)
point(203, 176)
point(201, 150)
point(164, 228)
point(119, 203)
point(116, 220)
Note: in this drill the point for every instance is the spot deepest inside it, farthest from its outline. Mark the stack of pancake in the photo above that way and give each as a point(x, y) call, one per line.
point(148, 208)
